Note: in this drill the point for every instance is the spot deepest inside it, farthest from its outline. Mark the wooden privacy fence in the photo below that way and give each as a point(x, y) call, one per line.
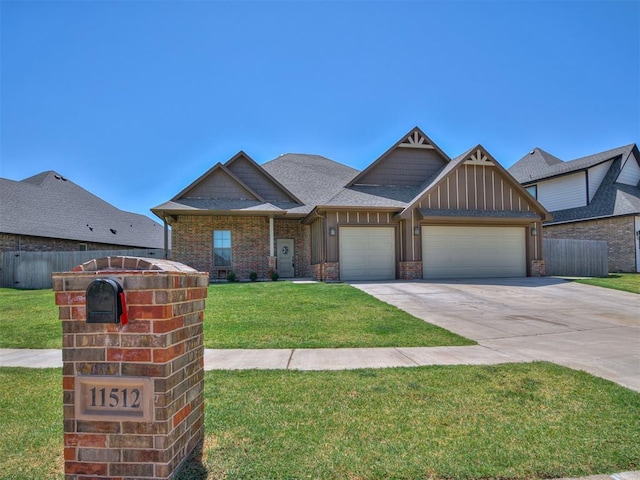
point(32, 270)
point(575, 258)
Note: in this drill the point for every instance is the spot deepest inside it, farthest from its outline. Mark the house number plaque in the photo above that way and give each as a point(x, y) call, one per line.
point(108, 398)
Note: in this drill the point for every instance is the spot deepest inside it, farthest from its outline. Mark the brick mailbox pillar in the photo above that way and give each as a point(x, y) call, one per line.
point(134, 391)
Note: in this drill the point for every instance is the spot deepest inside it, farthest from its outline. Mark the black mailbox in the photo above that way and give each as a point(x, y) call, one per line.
point(105, 302)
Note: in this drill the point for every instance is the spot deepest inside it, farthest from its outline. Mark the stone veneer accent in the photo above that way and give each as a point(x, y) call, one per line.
point(618, 232)
point(163, 341)
point(410, 270)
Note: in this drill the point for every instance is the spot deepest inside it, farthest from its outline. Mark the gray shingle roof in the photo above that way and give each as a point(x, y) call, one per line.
point(49, 205)
point(539, 164)
point(311, 178)
point(204, 204)
point(373, 196)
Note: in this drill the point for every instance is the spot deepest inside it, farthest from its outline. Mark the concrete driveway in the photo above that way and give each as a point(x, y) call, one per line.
point(580, 326)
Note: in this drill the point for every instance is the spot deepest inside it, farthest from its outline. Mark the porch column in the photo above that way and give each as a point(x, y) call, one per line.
point(271, 238)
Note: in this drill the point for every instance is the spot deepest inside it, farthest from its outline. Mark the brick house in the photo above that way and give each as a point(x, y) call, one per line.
point(596, 197)
point(48, 212)
point(412, 213)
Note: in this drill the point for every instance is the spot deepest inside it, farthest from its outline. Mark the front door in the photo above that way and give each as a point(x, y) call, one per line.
point(284, 246)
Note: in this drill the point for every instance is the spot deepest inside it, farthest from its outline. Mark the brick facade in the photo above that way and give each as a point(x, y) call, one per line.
point(162, 344)
point(538, 268)
point(326, 272)
point(618, 232)
point(410, 270)
point(27, 243)
point(192, 241)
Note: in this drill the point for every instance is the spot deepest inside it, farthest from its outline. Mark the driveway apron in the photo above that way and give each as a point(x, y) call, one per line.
point(579, 326)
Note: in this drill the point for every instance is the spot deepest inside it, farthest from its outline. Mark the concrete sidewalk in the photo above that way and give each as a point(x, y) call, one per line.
point(300, 359)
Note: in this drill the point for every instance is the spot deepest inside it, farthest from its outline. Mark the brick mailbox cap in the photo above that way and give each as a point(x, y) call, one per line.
point(120, 263)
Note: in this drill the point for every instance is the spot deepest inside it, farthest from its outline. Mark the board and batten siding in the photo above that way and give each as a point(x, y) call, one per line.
point(568, 191)
point(317, 242)
point(596, 175)
point(630, 174)
point(474, 187)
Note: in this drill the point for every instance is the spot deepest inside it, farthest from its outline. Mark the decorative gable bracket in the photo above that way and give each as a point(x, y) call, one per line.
point(415, 140)
point(479, 157)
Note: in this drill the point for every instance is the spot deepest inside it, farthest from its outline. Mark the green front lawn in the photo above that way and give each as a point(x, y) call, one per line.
point(628, 282)
point(287, 315)
point(253, 315)
point(29, 319)
point(517, 421)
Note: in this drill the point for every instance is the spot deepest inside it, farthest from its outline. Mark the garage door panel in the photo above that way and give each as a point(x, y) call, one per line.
point(367, 253)
point(465, 252)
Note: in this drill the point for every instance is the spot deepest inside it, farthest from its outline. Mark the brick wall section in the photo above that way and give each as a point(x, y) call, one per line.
point(410, 270)
point(326, 272)
point(618, 232)
point(162, 341)
point(27, 243)
point(192, 243)
point(538, 268)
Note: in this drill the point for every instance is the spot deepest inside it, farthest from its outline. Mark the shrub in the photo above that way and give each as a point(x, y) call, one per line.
point(275, 276)
point(231, 277)
point(253, 276)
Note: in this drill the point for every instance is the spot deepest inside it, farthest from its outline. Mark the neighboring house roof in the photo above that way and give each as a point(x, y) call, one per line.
point(49, 205)
point(610, 199)
point(538, 164)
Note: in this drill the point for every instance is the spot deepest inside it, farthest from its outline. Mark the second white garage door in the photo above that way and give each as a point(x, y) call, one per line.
point(367, 253)
point(467, 252)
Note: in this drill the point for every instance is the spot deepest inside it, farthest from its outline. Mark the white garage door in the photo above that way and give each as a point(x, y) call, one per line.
point(367, 253)
point(467, 252)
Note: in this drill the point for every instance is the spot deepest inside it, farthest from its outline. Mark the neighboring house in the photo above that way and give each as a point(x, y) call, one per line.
point(412, 213)
point(48, 212)
point(591, 198)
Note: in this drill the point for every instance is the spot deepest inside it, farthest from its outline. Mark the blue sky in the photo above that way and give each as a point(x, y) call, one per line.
point(133, 100)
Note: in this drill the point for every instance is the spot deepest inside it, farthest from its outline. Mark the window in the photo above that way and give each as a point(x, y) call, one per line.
point(83, 247)
point(533, 190)
point(222, 248)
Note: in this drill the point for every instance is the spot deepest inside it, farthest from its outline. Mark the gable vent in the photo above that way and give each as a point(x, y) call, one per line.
point(415, 140)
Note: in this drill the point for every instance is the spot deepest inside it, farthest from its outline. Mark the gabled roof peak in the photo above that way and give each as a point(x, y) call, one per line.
point(416, 139)
point(420, 159)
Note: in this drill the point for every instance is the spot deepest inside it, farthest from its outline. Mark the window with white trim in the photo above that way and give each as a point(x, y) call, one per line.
point(221, 248)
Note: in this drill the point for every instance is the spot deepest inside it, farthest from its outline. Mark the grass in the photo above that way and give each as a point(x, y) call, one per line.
point(253, 315)
point(517, 421)
point(511, 421)
point(29, 319)
point(628, 282)
point(287, 315)
point(31, 426)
